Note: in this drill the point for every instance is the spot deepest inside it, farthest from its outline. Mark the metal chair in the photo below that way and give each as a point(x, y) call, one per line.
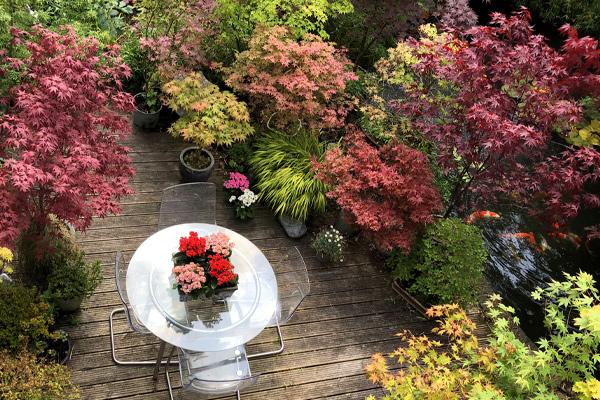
point(187, 203)
point(136, 326)
point(293, 285)
point(213, 374)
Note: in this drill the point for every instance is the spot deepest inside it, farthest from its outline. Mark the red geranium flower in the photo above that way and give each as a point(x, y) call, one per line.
point(192, 246)
point(221, 269)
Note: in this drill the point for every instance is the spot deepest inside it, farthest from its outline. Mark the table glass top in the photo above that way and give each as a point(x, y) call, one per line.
point(225, 320)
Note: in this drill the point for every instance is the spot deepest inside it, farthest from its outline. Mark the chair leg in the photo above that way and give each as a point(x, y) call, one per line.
point(273, 352)
point(113, 347)
point(167, 372)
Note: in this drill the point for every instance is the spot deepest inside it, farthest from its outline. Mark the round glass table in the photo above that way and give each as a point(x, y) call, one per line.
point(220, 322)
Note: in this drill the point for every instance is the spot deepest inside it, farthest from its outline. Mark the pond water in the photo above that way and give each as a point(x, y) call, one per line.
point(520, 263)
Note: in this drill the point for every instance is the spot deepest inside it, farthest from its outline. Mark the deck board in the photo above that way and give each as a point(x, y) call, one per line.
point(328, 341)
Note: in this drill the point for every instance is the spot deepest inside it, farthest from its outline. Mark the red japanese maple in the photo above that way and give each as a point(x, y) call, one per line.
point(498, 108)
point(388, 192)
point(59, 136)
point(291, 81)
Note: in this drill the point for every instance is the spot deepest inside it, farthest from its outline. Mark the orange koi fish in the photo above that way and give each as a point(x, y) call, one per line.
point(481, 214)
point(522, 235)
point(570, 237)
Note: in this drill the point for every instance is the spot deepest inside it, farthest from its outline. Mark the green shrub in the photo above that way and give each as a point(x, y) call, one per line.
point(72, 276)
point(286, 182)
point(25, 320)
point(445, 265)
point(23, 377)
point(238, 157)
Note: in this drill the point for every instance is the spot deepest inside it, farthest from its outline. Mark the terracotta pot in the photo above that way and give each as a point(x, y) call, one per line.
point(189, 174)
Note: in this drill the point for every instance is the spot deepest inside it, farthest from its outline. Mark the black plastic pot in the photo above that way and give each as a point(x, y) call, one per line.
point(144, 120)
point(59, 350)
point(189, 174)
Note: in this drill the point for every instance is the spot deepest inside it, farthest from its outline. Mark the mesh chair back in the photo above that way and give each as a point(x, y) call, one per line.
point(293, 284)
point(188, 203)
point(120, 279)
point(215, 373)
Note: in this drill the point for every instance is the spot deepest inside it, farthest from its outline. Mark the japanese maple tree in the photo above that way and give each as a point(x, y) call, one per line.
point(59, 138)
point(291, 81)
point(498, 109)
point(388, 191)
point(177, 34)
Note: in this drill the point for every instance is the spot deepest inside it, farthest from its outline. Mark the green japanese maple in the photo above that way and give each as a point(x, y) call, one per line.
point(210, 116)
point(562, 366)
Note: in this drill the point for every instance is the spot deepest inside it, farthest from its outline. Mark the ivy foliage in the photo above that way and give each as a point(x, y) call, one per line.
point(286, 182)
point(562, 366)
point(445, 265)
point(211, 116)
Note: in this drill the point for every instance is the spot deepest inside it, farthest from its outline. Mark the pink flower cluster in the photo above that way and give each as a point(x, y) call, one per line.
point(219, 243)
point(237, 181)
point(189, 276)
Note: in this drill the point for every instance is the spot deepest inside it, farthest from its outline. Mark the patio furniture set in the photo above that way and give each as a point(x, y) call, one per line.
point(208, 335)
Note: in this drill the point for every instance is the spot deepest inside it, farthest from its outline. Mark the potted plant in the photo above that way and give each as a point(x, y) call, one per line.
point(201, 267)
point(27, 321)
point(237, 189)
point(72, 279)
point(286, 182)
point(210, 117)
point(147, 108)
point(329, 244)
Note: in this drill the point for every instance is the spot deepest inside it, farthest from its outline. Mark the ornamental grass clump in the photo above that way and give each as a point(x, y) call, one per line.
point(329, 243)
point(210, 116)
point(286, 182)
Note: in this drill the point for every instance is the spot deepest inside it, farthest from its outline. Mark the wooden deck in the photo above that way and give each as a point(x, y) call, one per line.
point(350, 314)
